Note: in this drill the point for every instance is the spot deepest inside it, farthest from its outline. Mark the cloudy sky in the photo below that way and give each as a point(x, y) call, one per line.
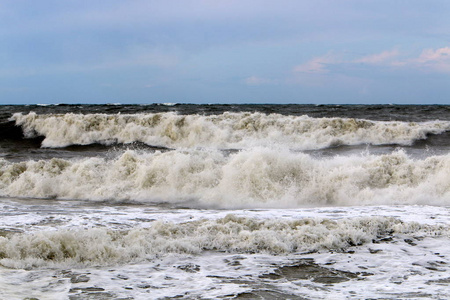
point(218, 51)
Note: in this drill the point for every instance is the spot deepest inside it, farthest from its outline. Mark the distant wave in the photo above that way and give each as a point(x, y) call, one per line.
point(100, 246)
point(258, 177)
point(228, 130)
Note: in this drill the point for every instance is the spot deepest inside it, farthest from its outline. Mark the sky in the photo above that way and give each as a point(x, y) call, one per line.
point(217, 51)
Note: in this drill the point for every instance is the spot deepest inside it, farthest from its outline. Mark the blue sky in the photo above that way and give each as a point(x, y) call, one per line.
point(225, 51)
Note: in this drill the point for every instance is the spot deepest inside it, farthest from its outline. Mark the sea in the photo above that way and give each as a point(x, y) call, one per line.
point(185, 201)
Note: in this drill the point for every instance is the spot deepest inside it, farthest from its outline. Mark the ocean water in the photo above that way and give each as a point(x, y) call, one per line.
point(180, 201)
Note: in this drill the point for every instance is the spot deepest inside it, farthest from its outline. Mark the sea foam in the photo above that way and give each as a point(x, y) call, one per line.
point(228, 130)
point(99, 246)
point(258, 177)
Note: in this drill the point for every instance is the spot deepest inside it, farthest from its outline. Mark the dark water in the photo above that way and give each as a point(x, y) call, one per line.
point(413, 113)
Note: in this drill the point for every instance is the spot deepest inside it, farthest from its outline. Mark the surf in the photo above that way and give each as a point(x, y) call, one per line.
point(226, 131)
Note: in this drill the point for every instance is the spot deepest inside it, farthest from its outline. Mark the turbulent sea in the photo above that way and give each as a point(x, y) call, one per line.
point(182, 201)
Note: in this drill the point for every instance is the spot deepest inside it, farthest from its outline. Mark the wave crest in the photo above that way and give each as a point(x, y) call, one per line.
point(258, 177)
point(228, 130)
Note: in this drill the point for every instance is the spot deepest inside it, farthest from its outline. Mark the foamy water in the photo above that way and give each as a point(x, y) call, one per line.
point(252, 178)
point(230, 202)
point(229, 130)
point(151, 252)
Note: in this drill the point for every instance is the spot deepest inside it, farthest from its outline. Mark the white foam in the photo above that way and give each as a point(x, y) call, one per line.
point(258, 177)
point(98, 246)
point(411, 261)
point(229, 130)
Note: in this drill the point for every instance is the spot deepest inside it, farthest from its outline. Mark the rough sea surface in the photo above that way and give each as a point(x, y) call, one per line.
point(181, 201)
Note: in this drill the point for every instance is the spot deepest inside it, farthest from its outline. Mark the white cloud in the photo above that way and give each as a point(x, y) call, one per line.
point(436, 60)
point(317, 65)
point(430, 55)
point(430, 60)
point(385, 57)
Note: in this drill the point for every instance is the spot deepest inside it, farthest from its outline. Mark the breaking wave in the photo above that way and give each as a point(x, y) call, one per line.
point(226, 131)
point(259, 177)
point(100, 246)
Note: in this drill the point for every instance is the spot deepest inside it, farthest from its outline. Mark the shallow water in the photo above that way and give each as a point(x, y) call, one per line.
point(407, 259)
